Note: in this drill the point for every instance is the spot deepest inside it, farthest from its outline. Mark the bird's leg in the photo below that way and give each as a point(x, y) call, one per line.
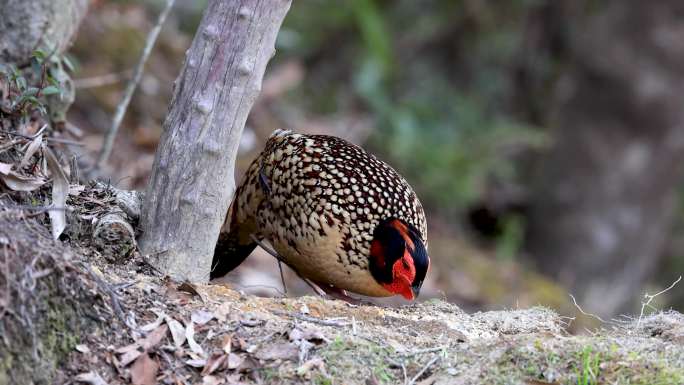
point(280, 259)
point(337, 293)
point(282, 277)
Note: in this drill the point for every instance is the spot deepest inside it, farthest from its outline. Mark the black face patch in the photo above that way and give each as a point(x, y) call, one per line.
point(421, 261)
point(393, 247)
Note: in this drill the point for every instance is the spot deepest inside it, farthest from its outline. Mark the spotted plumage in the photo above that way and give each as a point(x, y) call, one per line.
point(319, 200)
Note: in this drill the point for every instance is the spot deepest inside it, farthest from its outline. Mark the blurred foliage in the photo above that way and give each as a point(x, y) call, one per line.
point(436, 77)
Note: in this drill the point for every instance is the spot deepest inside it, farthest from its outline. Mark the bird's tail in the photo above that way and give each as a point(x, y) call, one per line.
point(234, 245)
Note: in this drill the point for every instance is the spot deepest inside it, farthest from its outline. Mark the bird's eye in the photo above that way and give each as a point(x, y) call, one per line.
point(406, 265)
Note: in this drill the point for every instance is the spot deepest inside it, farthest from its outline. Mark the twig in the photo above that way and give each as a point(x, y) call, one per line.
point(306, 318)
point(650, 297)
point(583, 312)
point(116, 305)
point(26, 136)
point(6, 272)
point(423, 351)
point(40, 209)
point(426, 367)
point(102, 80)
point(66, 141)
point(130, 88)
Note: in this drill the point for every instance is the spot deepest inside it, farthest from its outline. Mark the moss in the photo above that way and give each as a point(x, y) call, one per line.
point(581, 361)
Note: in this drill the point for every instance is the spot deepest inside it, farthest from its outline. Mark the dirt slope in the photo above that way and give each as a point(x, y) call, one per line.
point(101, 323)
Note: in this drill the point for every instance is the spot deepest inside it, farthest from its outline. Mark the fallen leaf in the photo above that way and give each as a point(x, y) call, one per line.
point(201, 317)
point(307, 334)
point(278, 351)
point(174, 294)
point(211, 380)
point(227, 342)
point(31, 150)
point(144, 371)
point(129, 357)
point(91, 378)
point(223, 311)
point(234, 361)
point(213, 363)
point(60, 190)
point(248, 364)
point(188, 288)
point(5, 168)
point(17, 182)
point(190, 335)
point(76, 189)
point(154, 338)
point(155, 324)
point(196, 363)
point(82, 348)
point(177, 332)
point(250, 320)
point(127, 348)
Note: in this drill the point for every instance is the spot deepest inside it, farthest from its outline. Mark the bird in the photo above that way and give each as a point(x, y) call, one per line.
point(334, 213)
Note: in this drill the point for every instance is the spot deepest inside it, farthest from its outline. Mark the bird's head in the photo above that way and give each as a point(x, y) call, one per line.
point(398, 258)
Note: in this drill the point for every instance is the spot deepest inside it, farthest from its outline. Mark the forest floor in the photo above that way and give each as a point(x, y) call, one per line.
point(123, 324)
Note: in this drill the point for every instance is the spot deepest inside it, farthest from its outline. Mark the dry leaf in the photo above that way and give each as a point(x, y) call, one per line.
point(127, 348)
point(278, 351)
point(76, 189)
point(177, 332)
point(5, 168)
point(82, 348)
point(153, 325)
point(91, 378)
point(129, 357)
point(153, 339)
point(196, 363)
point(211, 380)
point(213, 363)
point(31, 150)
point(144, 371)
point(307, 334)
point(234, 361)
point(227, 342)
point(17, 182)
point(190, 335)
point(201, 317)
point(188, 288)
point(60, 191)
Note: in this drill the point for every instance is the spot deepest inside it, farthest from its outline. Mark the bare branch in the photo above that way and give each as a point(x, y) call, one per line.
point(132, 85)
point(649, 298)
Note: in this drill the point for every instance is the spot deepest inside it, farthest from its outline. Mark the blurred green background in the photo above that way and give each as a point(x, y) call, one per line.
point(541, 136)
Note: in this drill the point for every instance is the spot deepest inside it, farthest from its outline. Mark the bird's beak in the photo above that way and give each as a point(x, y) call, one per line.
point(416, 290)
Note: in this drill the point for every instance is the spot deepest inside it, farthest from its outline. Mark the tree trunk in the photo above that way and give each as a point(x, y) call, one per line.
point(192, 179)
point(26, 25)
point(608, 191)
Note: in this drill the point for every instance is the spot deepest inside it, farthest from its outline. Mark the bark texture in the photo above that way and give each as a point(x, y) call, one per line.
point(604, 208)
point(26, 25)
point(192, 179)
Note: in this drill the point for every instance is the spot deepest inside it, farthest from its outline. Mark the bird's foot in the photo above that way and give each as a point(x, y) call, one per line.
point(332, 292)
